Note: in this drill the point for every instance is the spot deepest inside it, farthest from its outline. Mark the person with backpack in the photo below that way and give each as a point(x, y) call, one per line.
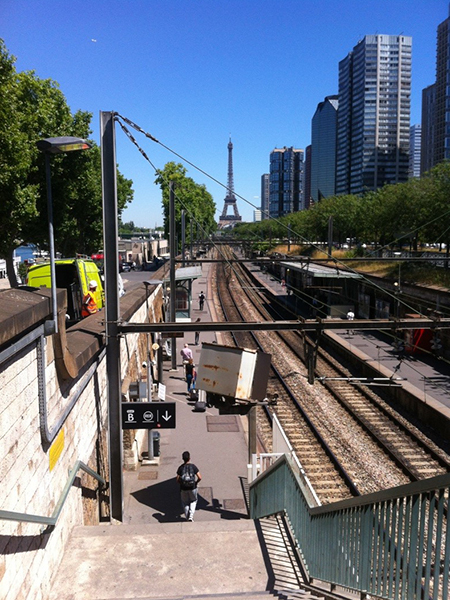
point(191, 375)
point(188, 477)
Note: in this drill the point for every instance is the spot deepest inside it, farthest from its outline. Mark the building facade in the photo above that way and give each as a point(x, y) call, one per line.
point(441, 146)
point(415, 143)
point(307, 177)
point(265, 189)
point(323, 142)
point(286, 193)
point(428, 117)
point(374, 114)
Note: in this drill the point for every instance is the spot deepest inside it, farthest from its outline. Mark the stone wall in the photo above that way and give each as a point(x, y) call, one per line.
point(33, 472)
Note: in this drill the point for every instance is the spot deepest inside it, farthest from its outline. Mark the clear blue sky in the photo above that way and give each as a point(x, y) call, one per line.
point(194, 72)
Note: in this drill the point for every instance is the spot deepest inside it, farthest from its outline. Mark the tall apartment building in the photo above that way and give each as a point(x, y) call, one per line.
point(428, 119)
point(374, 114)
point(286, 181)
point(323, 142)
point(265, 187)
point(415, 139)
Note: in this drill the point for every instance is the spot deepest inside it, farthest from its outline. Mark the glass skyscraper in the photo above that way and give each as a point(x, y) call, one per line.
point(323, 151)
point(374, 114)
point(286, 181)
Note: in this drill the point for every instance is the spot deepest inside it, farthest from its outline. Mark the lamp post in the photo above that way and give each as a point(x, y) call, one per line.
point(57, 145)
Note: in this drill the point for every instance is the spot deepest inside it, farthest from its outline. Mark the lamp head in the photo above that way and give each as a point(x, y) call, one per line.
point(59, 145)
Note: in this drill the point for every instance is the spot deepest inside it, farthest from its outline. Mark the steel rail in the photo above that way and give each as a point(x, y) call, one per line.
point(328, 451)
point(365, 424)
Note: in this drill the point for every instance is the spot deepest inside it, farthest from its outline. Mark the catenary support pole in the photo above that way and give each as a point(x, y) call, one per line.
point(173, 253)
point(183, 237)
point(111, 252)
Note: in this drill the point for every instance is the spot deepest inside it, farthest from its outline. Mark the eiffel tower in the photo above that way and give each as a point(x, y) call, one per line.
point(230, 199)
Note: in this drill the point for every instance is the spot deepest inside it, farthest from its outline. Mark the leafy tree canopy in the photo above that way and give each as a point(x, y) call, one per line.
point(414, 212)
point(194, 198)
point(32, 109)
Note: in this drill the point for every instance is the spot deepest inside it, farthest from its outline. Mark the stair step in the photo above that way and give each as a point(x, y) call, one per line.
point(165, 560)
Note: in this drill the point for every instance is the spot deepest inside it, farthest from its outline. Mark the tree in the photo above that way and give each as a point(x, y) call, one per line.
point(33, 109)
point(190, 196)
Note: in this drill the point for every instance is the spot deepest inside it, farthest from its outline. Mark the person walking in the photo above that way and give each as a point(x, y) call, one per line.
point(186, 356)
point(350, 317)
point(201, 300)
point(191, 375)
point(188, 477)
point(89, 305)
point(197, 334)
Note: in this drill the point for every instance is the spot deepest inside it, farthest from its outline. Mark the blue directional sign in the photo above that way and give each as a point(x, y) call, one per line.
point(148, 415)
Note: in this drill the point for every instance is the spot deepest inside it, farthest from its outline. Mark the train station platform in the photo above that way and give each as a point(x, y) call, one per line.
point(156, 553)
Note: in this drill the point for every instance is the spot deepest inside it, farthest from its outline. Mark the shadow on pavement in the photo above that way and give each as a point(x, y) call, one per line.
point(164, 498)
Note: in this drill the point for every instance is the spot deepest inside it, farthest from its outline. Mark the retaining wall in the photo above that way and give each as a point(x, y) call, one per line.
point(33, 471)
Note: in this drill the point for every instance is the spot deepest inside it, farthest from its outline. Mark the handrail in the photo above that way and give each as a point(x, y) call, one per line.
point(51, 521)
point(389, 543)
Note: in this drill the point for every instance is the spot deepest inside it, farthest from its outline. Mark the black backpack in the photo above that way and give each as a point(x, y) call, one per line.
point(188, 477)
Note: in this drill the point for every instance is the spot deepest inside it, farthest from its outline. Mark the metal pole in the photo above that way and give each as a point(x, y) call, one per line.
point(173, 341)
point(252, 433)
point(183, 237)
point(330, 236)
point(192, 241)
point(149, 378)
point(111, 251)
point(51, 239)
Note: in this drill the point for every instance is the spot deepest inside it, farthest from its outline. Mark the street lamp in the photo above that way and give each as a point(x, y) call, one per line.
point(56, 145)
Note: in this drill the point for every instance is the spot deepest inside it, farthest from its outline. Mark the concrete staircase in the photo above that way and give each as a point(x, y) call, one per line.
point(228, 559)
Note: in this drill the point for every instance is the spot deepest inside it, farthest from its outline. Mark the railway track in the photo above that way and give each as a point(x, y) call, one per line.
point(347, 422)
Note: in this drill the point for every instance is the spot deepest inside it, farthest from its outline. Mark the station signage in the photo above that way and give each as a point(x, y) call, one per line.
point(148, 415)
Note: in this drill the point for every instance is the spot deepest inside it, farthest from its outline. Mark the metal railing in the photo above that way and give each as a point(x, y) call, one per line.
point(51, 521)
point(390, 544)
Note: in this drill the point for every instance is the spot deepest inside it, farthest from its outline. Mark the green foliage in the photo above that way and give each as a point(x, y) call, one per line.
point(396, 215)
point(194, 198)
point(32, 109)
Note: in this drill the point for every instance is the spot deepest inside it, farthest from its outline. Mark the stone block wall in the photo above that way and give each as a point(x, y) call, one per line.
point(33, 474)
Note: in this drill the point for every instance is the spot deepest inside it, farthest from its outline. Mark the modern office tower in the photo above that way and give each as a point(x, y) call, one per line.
point(323, 142)
point(307, 178)
point(257, 217)
point(415, 135)
point(265, 196)
point(442, 106)
point(374, 114)
point(428, 118)
point(286, 181)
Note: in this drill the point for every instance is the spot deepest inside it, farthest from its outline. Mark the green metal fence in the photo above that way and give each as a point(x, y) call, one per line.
point(392, 544)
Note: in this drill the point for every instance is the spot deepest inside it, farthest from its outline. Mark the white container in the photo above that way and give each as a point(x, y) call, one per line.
point(229, 371)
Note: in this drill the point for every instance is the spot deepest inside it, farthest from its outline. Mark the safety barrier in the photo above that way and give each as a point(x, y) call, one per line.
point(390, 544)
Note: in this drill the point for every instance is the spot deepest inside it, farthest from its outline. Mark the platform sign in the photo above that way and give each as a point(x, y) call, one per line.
point(148, 415)
point(161, 392)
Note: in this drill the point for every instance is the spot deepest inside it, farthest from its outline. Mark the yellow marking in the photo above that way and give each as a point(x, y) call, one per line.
point(56, 449)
